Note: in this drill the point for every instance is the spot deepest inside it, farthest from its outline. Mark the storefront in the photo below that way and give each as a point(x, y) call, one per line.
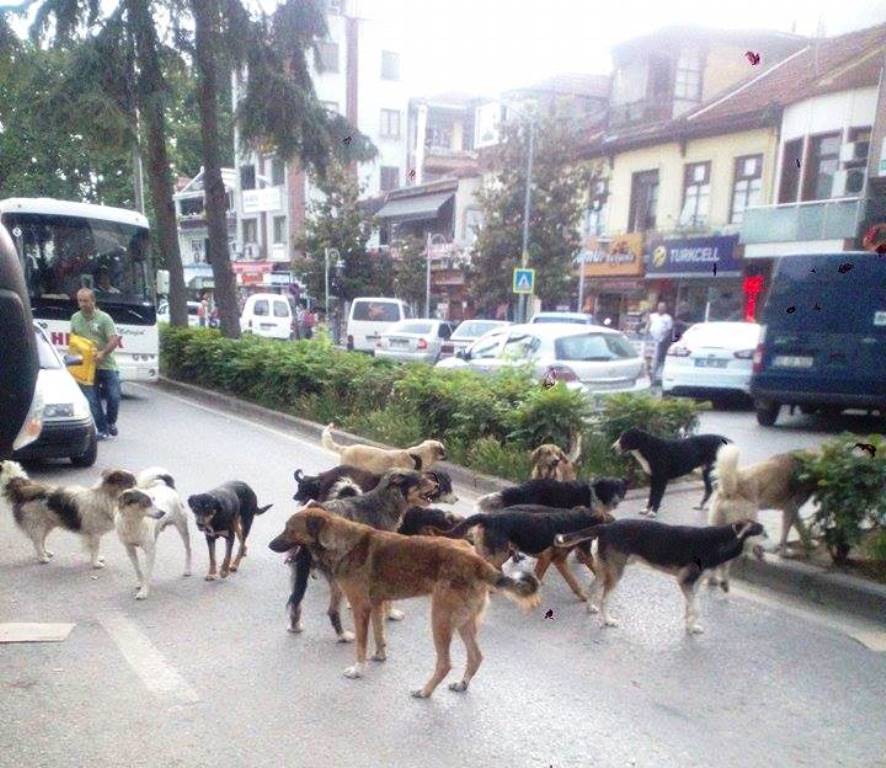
point(699, 278)
point(613, 279)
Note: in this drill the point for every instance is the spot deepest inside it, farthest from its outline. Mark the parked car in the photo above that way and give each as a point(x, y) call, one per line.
point(597, 361)
point(267, 314)
point(369, 317)
point(417, 341)
point(823, 340)
point(193, 313)
point(711, 358)
point(68, 429)
point(580, 318)
point(467, 332)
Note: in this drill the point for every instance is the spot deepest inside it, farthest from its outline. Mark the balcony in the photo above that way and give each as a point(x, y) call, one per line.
point(816, 220)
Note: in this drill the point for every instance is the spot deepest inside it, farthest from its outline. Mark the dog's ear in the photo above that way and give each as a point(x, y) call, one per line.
point(535, 456)
point(416, 460)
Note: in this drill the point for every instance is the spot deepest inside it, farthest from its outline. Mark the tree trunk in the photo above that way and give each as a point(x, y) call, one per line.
point(206, 27)
point(150, 94)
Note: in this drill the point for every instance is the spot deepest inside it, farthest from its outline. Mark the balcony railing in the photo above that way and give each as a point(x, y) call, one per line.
point(837, 219)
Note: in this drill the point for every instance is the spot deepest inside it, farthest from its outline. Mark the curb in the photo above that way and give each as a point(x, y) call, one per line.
point(835, 590)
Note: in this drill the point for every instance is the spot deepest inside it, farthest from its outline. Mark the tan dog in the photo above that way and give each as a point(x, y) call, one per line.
point(549, 461)
point(380, 460)
point(373, 566)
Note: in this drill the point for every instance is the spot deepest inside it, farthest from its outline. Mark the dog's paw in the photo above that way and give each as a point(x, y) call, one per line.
point(582, 596)
point(295, 629)
point(234, 568)
point(353, 673)
point(380, 656)
point(459, 687)
point(210, 577)
point(223, 573)
point(141, 594)
point(420, 694)
point(593, 608)
point(394, 614)
point(44, 560)
point(724, 585)
point(695, 629)
point(187, 572)
point(346, 637)
point(49, 554)
point(610, 622)
point(100, 563)
point(700, 507)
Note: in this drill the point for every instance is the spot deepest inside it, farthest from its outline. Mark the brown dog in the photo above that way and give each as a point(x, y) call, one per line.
point(550, 461)
point(380, 460)
point(373, 566)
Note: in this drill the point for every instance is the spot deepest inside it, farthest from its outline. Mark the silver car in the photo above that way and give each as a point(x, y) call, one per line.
point(593, 359)
point(414, 341)
point(467, 332)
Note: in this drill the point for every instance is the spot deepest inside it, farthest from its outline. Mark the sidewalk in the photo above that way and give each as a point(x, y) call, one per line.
point(797, 578)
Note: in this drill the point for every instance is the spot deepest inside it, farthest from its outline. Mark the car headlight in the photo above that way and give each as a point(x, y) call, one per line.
point(33, 424)
point(81, 409)
point(58, 411)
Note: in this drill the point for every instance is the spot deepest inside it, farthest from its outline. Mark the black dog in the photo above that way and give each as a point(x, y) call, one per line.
point(344, 480)
point(665, 460)
point(426, 521)
point(680, 550)
point(605, 493)
point(226, 511)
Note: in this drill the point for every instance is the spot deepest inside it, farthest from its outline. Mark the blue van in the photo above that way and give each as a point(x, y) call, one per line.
point(823, 339)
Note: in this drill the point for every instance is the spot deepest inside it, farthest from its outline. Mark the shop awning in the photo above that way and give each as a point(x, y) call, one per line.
point(415, 208)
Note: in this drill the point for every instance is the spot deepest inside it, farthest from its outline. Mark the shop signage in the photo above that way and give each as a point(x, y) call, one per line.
point(694, 257)
point(621, 257)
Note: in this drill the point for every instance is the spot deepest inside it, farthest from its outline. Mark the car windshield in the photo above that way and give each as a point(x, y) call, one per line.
point(473, 329)
point(411, 327)
point(594, 347)
point(376, 311)
point(48, 358)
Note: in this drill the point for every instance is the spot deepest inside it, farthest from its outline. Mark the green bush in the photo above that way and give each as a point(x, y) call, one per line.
point(850, 492)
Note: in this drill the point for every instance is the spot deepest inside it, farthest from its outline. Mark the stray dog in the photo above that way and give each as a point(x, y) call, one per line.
point(143, 513)
point(742, 493)
point(383, 507)
point(681, 550)
point(38, 508)
point(530, 528)
point(343, 481)
point(426, 521)
point(549, 461)
point(227, 511)
point(373, 567)
point(602, 493)
point(380, 460)
point(665, 460)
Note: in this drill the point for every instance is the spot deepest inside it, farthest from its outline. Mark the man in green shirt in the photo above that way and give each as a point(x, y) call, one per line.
point(97, 326)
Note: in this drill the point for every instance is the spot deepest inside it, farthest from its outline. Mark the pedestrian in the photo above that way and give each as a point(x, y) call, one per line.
point(98, 327)
point(299, 321)
point(203, 312)
point(310, 321)
point(660, 327)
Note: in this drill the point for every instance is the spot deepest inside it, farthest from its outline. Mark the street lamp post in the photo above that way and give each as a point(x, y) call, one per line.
point(326, 254)
point(430, 242)
point(524, 299)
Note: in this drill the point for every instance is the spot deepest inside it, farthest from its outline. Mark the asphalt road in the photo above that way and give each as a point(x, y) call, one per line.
point(205, 674)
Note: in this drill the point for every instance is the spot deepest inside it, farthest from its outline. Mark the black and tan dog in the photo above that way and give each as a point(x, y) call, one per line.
point(530, 529)
point(226, 511)
point(665, 460)
point(345, 480)
point(372, 567)
point(604, 493)
point(383, 507)
point(683, 551)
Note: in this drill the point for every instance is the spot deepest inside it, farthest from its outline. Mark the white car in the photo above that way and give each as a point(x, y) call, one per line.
point(711, 358)
point(416, 341)
point(596, 360)
point(193, 309)
point(579, 318)
point(467, 332)
point(68, 429)
point(269, 315)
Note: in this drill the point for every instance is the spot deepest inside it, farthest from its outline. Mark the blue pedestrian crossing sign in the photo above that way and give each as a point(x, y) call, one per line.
point(524, 281)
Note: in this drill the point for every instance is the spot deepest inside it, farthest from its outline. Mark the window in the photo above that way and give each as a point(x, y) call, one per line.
point(792, 157)
point(747, 186)
point(594, 347)
point(278, 172)
point(629, 84)
point(197, 251)
point(390, 65)
point(823, 162)
point(696, 195)
point(444, 331)
point(250, 231)
point(659, 77)
point(376, 311)
point(191, 206)
point(644, 201)
point(596, 213)
point(281, 309)
point(279, 229)
point(520, 347)
point(487, 348)
point(247, 177)
point(330, 106)
point(261, 308)
point(390, 124)
point(687, 82)
point(855, 159)
point(327, 51)
point(390, 177)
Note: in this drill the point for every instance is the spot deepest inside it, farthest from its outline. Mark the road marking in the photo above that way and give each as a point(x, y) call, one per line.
point(146, 661)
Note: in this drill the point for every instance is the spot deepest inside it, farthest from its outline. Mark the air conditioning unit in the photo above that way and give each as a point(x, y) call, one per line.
point(848, 183)
point(855, 151)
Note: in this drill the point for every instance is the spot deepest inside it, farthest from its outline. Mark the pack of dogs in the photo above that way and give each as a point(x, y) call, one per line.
point(371, 528)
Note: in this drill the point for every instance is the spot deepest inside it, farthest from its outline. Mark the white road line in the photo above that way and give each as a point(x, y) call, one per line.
point(146, 661)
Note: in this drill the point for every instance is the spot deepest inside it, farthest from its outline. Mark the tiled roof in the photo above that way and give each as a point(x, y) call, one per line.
point(573, 83)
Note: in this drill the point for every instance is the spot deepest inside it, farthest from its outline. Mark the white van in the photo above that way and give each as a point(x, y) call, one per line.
point(267, 314)
point(370, 317)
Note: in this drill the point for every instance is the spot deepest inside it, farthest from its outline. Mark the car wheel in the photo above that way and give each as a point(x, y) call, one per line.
point(88, 457)
point(767, 412)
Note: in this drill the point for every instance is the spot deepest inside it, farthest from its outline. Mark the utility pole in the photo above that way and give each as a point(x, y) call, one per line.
point(524, 298)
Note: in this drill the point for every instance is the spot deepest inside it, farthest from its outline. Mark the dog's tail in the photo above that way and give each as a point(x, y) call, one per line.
point(585, 534)
point(490, 502)
point(262, 510)
point(464, 526)
point(152, 476)
point(726, 470)
point(327, 442)
point(300, 570)
point(344, 488)
point(522, 587)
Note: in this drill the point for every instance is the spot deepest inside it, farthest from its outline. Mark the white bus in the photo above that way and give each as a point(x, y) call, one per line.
point(65, 246)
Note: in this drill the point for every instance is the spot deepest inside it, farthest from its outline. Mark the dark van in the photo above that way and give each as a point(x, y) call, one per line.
point(823, 341)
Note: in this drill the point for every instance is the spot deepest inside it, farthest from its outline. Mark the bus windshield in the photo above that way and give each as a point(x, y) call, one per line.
point(62, 254)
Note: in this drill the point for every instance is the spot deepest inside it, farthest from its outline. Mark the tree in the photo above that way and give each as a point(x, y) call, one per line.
point(410, 271)
point(558, 188)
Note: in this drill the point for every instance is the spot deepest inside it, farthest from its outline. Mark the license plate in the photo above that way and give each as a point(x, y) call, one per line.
point(711, 363)
point(792, 361)
point(267, 326)
point(399, 343)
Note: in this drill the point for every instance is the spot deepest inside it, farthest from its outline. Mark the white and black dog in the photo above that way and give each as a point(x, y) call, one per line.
point(143, 513)
point(39, 508)
point(681, 550)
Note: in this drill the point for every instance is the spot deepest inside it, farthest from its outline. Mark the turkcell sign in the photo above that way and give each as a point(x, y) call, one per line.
point(694, 257)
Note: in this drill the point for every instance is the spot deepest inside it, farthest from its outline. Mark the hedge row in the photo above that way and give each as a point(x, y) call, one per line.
point(489, 423)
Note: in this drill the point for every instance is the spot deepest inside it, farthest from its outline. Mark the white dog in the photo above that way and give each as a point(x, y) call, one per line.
point(142, 514)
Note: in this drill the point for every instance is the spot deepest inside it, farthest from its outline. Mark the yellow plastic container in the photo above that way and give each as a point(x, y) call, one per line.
point(85, 372)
